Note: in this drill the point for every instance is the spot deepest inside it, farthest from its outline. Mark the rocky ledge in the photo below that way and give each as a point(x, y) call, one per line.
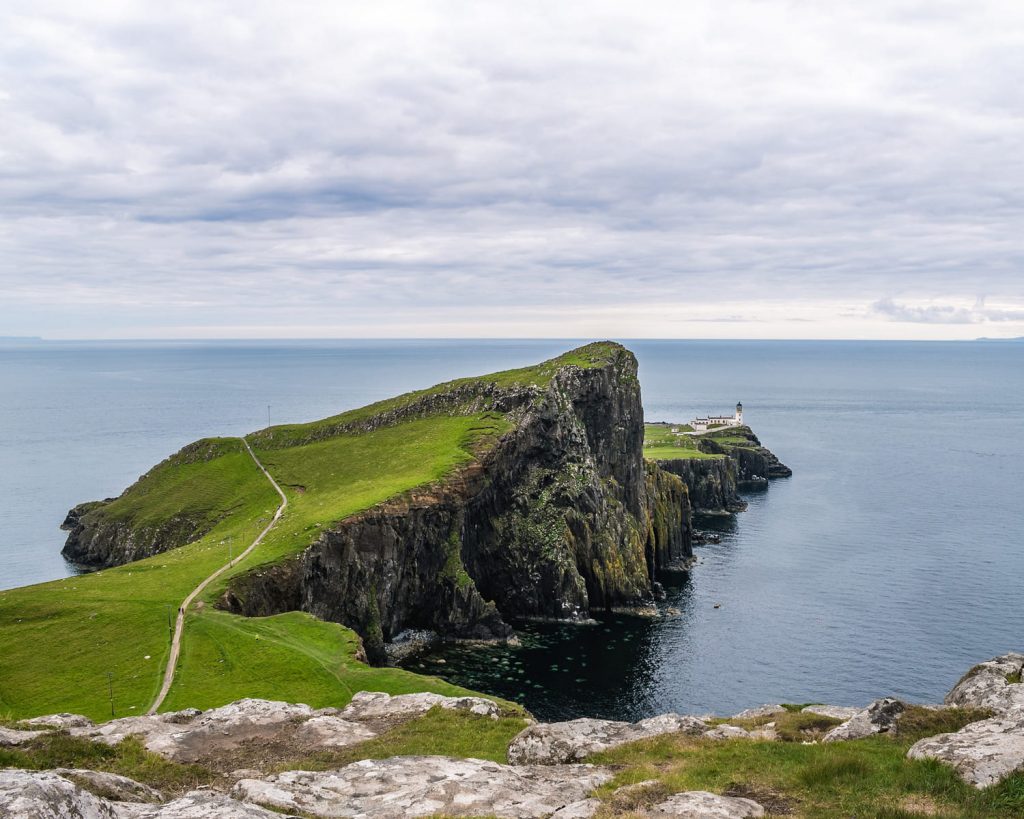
point(547, 773)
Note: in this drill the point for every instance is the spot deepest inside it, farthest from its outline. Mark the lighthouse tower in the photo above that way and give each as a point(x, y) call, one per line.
point(739, 414)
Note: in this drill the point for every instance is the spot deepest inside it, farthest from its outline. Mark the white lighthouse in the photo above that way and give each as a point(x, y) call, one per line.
point(739, 414)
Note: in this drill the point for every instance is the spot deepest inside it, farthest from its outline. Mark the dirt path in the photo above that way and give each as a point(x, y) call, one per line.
point(179, 625)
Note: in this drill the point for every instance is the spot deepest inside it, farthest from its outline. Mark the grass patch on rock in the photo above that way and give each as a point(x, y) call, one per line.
point(440, 731)
point(128, 758)
point(870, 777)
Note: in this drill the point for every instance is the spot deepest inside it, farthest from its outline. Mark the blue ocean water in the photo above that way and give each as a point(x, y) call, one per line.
point(889, 563)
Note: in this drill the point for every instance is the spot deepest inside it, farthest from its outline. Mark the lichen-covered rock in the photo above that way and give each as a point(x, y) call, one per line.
point(110, 785)
point(560, 742)
point(46, 795)
point(843, 712)
point(187, 736)
point(727, 732)
point(425, 785)
point(704, 805)
point(62, 722)
point(376, 705)
point(199, 805)
point(9, 737)
point(982, 752)
point(769, 710)
point(877, 718)
point(995, 684)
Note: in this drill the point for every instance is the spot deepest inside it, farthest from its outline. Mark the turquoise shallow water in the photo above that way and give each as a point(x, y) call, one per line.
point(889, 563)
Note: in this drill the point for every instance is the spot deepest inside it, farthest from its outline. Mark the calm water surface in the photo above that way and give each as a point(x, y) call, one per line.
point(887, 564)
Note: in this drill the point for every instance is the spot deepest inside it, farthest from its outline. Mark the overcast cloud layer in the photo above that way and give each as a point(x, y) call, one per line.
point(697, 169)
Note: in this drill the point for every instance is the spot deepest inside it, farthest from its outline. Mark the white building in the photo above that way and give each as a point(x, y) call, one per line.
point(704, 424)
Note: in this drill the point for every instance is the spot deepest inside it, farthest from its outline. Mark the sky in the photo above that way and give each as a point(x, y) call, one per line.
point(695, 169)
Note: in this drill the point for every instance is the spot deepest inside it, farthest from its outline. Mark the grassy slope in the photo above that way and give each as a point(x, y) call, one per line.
point(58, 640)
point(870, 777)
point(660, 444)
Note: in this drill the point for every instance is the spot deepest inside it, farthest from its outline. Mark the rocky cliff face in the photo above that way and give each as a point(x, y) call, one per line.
point(711, 483)
point(560, 518)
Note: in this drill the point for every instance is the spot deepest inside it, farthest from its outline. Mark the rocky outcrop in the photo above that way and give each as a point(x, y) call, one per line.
point(843, 712)
point(561, 742)
point(878, 718)
point(710, 482)
point(192, 735)
point(426, 785)
point(986, 751)
point(704, 805)
point(10, 737)
point(996, 685)
point(560, 518)
point(48, 795)
point(982, 753)
point(112, 786)
point(44, 795)
point(713, 483)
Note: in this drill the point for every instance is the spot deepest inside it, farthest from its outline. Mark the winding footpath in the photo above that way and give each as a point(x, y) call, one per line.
point(179, 625)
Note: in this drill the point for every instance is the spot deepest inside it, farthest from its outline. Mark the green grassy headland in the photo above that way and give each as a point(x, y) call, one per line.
point(65, 644)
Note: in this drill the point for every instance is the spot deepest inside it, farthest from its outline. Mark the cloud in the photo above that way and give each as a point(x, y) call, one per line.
point(198, 165)
point(945, 313)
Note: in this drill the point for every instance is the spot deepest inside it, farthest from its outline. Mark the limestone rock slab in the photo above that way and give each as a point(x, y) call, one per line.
point(61, 721)
point(705, 805)
point(555, 743)
point(424, 785)
point(982, 753)
point(46, 795)
point(877, 718)
point(986, 686)
point(727, 732)
point(843, 712)
point(9, 737)
point(376, 705)
point(199, 805)
point(187, 736)
point(768, 710)
point(113, 786)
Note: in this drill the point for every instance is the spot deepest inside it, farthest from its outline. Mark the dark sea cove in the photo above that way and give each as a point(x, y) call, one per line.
point(888, 563)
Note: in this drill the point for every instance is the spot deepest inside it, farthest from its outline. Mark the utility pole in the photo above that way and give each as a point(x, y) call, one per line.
point(110, 691)
point(268, 415)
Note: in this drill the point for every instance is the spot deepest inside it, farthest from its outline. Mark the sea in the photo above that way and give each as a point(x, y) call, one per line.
point(889, 563)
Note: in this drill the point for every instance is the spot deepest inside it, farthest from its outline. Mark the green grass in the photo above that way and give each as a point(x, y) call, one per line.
point(870, 777)
point(64, 645)
point(292, 657)
point(661, 444)
point(127, 758)
point(589, 356)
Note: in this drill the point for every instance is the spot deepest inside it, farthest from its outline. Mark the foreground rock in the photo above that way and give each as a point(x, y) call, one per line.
point(46, 795)
point(191, 736)
point(112, 786)
point(10, 738)
point(982, 753)
point(843, 712)
point(704, 805)
point(560, 742)
point(877, 718)
point(367, 706)
point(199, 805)
point(995, 684)
point(425, 785)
